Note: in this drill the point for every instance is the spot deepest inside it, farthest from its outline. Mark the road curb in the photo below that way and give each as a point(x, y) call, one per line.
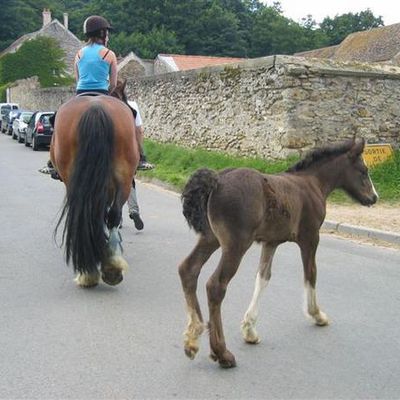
point(340, 227)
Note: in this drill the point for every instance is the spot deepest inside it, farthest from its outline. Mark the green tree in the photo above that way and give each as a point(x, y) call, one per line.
point(221, 32)
point(272, 33)
point(41, 57)
point(146, 45)
point(336, 29)
point(244, 28)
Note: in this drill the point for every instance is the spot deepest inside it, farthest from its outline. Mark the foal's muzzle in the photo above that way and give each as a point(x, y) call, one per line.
point(370, 200)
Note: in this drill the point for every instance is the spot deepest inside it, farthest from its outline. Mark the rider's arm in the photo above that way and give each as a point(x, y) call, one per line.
point(76, 71)
point(112, 59)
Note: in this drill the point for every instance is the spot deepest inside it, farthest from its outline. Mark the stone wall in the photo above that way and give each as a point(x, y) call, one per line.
point(270, 107)
point(28, 94)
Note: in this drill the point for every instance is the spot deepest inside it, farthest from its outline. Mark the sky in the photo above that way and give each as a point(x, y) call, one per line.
point(389, 10)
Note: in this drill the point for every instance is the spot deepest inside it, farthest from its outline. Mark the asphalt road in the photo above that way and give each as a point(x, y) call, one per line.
point(58, 341)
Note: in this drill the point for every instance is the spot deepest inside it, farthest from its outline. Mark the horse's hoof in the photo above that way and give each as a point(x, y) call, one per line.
point(112, 278)
point(87, 280)
point(250, 335)
point(191, 351)
point(227, 360)
point(321, 319)
point(86, 285)
point(252, 340)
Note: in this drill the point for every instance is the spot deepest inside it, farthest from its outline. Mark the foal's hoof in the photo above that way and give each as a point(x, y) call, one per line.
point(226, 361)
point(321, 319)
point(250, 335)
point(112, 277)
point(191, 351)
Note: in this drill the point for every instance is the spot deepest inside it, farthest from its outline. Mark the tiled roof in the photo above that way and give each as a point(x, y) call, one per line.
point(373, 46)
point(183, 62)
point(13, 46)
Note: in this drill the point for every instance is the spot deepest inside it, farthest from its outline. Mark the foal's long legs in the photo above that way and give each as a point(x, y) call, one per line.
point(249, 332)
point(216, 289)
point(189, 271)
point(308, 251)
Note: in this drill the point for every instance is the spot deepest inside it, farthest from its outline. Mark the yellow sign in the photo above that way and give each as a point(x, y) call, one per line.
point(377, 153)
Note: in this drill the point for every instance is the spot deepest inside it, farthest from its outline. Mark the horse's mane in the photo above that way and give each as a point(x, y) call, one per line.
point(119, 91)
point(321, 154)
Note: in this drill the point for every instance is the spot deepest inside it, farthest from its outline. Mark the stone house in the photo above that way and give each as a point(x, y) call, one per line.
point(54, 29)
point(379, 45)
point(133, 66)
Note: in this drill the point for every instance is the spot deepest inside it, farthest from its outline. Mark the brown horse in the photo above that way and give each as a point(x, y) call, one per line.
point(95, 152)
point(236, 207)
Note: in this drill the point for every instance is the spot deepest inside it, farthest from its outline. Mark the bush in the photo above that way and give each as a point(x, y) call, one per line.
point(3, 93)
point(40, 57)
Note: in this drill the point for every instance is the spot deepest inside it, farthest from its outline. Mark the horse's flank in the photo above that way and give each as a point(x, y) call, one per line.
point(64, 146)
point(275, 205)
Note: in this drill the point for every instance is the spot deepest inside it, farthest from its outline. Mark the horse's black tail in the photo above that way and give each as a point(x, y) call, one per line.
point(195, 198)
point(90, 192)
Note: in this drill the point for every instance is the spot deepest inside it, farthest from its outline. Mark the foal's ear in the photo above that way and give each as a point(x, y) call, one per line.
point(357, 148)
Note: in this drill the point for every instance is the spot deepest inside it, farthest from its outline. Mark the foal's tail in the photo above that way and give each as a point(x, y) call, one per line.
point(195, 197)
point(90, 192)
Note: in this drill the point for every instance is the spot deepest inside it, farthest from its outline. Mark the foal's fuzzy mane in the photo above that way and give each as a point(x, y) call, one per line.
point(320, 154)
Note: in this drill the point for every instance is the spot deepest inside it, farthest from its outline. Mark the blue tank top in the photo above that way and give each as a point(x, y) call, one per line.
point(93, 70)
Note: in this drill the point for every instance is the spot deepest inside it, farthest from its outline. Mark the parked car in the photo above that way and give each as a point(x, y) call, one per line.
point(19, 125)
point(5, 107)
point(10, 120)
point(4, 120)
point(39, 130)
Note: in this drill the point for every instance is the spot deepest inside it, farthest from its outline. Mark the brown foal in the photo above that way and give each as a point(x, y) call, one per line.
point(233, 208)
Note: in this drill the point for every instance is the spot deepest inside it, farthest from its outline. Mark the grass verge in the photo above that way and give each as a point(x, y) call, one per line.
point(175, 164)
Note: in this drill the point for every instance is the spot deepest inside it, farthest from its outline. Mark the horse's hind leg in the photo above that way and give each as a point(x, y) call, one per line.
point(216, 289)
point(249, 332)
point(189, 271)
point(308, 251)
point(113, 267)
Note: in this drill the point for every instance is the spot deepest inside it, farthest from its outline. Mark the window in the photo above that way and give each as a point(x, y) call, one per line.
point(45, 119)
point(26, 117)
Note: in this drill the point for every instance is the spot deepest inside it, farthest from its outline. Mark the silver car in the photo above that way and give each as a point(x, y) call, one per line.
point(20, 124)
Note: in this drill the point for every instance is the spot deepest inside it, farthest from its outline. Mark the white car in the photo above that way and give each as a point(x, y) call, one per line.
point(20, 124)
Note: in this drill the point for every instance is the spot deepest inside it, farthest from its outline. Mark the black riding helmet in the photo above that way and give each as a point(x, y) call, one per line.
point(95, 25)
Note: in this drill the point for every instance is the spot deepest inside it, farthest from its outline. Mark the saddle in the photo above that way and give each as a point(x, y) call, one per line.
point(90, 94)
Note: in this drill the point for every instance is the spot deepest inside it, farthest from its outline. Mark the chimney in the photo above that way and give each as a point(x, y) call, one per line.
point(46, 16)
point(66, 20)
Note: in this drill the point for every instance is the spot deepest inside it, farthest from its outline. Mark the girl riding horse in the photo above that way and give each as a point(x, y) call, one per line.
point(95, 153)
